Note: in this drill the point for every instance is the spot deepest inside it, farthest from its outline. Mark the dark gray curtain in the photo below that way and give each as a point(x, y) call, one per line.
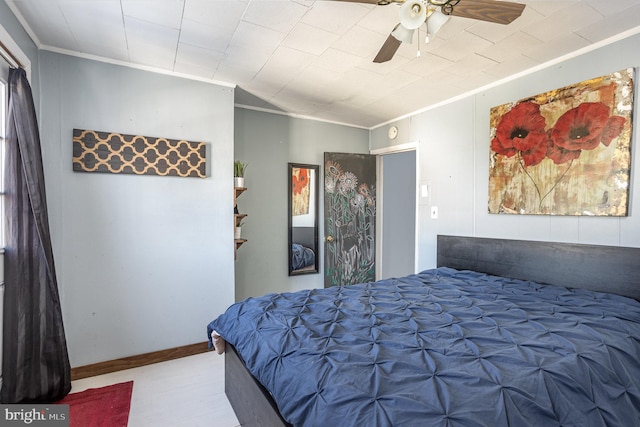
point(35, 363)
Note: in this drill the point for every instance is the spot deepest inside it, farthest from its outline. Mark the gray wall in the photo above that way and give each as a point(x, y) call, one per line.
point(398, 214)
point(268, 142)
point(454, 160)
point(143, 262)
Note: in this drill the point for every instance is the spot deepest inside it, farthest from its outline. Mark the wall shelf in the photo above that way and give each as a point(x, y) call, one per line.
point(237, 218)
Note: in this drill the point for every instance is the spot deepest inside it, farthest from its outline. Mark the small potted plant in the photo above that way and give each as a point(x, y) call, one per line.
point(238, 173)
point(238, 231)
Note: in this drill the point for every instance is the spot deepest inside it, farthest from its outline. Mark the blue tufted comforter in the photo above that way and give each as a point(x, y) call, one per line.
point(443, 348)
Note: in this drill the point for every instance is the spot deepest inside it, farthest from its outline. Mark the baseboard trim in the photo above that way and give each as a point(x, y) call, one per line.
point(115, 365)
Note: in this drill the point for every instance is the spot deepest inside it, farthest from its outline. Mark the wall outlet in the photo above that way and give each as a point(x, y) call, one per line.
point(434, 212)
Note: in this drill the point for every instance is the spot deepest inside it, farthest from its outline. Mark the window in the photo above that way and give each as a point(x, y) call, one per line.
point(10, 52)
point(3, 128)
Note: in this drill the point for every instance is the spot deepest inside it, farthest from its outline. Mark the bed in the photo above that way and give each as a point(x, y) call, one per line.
point(482, 340)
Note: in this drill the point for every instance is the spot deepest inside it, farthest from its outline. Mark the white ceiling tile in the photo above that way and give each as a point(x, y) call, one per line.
point(309, 39)
point(549, 7)
point(315, 57)
point(198, 56)
point(237, 74)
point(454, 26)
point(97, 26)
point(381, 19)
point(556, 48)
point(336, 17)
point(401, 102)
point(312, 82)
point(415, 51)
point(607, 8)
point(383, 87)
point(296, 102)
point(194, 70)
point(510, 46)
point(50, 27)
point(169, 15)
point(151, 44)
point(360, 41)
point(288, 62)
point(357, 79)
point(222, 14)
point(512, 65)
point(252, 36)
point(432, 87)
point(384, 68)
point(240, 64)
point(474, 62)
point(457, 47)
point(283, 66)
point(611, 25)
point(446, 78)
point(426, 64)
point(278, 15)
point(497, 32)
point(337, 61)
point(302, 96)
point(205, 36)
point(568, 19)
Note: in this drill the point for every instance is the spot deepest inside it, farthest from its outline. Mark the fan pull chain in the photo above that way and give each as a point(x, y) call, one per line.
point(426, 37)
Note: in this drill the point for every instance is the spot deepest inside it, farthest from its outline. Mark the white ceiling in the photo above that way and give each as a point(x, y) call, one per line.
point(314, 58)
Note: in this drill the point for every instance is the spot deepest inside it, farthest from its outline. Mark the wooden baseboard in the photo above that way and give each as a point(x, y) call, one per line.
point(136, 361)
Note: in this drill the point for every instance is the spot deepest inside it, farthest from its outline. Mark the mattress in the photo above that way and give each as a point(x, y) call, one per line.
point(443, 348)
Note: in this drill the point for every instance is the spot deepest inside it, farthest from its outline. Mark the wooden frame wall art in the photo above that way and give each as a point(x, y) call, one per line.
point(107, 152)
point(564, 152)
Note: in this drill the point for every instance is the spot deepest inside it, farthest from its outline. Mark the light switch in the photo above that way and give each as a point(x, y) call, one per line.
point(424, 191)
point(434, 212)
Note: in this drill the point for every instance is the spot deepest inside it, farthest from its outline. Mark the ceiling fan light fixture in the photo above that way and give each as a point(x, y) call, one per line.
point(402, 33)
point(413, 13)
point(435, 21)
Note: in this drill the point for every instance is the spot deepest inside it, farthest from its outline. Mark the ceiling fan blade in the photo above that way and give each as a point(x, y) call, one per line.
point(500, 12)
point(388, 49)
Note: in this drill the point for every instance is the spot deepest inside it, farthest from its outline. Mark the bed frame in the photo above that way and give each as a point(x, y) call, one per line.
point(601, 268)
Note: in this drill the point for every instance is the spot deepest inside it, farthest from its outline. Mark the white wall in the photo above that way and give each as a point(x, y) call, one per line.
point(143, 262)
point(454, 160)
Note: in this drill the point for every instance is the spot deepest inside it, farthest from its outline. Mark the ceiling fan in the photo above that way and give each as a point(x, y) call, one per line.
point(435, 13)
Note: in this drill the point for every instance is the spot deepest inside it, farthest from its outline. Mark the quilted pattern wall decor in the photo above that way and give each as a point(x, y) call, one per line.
point(107, 152)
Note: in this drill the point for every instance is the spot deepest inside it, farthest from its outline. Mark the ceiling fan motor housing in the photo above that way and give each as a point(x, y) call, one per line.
point(413, 14)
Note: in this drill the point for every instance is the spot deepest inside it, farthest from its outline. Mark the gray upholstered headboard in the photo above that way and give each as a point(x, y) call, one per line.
point(602, 268)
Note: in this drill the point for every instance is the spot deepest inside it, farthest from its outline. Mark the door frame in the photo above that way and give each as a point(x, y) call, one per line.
point(380, 153)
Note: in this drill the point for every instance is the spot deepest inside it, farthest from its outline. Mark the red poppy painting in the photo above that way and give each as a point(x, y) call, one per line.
point(564, 152)
point(299, 191)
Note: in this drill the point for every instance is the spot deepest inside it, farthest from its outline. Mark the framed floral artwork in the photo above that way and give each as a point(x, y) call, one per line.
point(564, 152)
point(300, 191)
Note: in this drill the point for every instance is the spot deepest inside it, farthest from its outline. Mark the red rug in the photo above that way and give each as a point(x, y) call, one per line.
point(100, 407)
